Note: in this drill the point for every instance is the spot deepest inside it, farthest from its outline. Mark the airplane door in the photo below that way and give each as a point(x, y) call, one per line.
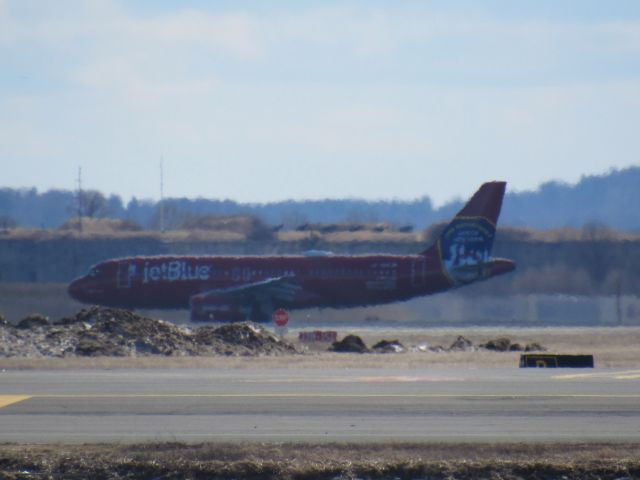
point(418, 271)
point(124, 278)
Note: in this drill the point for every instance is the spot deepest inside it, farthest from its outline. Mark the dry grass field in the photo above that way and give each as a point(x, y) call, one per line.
point(612, 348)
point(334, 461)
point(237, 228)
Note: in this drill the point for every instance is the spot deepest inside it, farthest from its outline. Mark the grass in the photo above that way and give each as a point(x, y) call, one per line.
point(321, 461)
point(235, 229)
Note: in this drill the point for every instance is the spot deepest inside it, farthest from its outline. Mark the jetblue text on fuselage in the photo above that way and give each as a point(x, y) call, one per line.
point(174, 271)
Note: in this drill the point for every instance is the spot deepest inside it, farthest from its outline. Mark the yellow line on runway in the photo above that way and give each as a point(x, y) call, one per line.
point(331, 395)
point(628, 374)
point(369, 379)
point(6, 400)
point(373, 435)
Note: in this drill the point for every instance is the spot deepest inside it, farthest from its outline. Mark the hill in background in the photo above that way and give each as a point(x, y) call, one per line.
point(601, 199)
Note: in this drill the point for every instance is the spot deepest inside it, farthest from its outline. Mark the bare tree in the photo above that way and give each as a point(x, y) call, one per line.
point(7, 222)
point(90, 203)
point(93, 204)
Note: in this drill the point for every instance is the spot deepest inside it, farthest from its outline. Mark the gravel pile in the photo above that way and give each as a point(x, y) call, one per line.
point(462, 344)
point(500, 344)
point(354, 344)
point(349, 344)
point(504, 344)
point(389, 346)
point(100, 331)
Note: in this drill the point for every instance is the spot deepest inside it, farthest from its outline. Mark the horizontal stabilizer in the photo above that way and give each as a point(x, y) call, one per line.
point(465, 245)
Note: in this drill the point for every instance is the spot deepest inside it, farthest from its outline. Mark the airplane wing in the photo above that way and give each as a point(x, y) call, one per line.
point(261, 298)
point(283, 289)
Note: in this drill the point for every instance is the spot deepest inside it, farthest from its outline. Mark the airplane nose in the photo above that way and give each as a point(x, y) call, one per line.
point(75, 289)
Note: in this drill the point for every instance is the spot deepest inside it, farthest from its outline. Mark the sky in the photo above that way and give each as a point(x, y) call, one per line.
point(264, 101)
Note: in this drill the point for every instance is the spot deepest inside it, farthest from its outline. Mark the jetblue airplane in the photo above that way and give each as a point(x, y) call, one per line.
point(230, 289)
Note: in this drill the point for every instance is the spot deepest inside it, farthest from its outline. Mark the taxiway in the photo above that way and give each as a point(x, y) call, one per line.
point(314, 405)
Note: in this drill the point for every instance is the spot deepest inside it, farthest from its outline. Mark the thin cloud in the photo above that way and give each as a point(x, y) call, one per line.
point(391, 100)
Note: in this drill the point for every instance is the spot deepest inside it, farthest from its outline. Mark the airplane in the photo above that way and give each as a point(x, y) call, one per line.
point(238, 288)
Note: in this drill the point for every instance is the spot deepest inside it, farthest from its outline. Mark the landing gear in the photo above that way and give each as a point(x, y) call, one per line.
point(257, 314)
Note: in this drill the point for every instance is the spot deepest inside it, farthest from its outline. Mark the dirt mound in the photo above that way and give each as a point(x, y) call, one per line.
point(114, 332)
point(534, 347)
point(500, 344)
point(504, 344)
point(244, 338)
point(349, 344)
point(33, 320)
point(354, 344)
point(95, 314)
point(462, 344)
point(116, 336)
point(388, 346)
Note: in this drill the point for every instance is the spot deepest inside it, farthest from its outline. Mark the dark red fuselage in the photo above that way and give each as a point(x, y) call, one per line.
point(325, 281)
point(337, 281)
point(235, 288)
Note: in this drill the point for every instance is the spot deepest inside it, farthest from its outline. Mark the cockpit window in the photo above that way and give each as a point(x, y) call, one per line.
point(94, 272)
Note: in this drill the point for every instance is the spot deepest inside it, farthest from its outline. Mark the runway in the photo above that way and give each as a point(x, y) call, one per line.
point(510, 405)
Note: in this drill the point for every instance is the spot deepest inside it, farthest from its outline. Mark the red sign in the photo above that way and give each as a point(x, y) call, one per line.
point(280, 317)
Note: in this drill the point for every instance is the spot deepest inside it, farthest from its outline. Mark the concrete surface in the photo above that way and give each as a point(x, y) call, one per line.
point(320, 405)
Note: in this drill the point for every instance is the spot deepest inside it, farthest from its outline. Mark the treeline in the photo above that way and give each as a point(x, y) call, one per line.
point(607, 199)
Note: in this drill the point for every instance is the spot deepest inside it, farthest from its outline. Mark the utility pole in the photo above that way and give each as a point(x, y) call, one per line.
point(161, 194)
point(80, 199)
point(619, 299)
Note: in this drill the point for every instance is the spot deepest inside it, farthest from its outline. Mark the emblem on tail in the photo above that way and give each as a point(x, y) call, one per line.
point(465, 245)
point(465, 248)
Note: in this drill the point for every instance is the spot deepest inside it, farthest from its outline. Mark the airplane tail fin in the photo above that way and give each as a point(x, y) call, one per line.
point(464, 247)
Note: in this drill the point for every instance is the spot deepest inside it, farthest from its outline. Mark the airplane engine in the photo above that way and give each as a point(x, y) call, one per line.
point(212, 309)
